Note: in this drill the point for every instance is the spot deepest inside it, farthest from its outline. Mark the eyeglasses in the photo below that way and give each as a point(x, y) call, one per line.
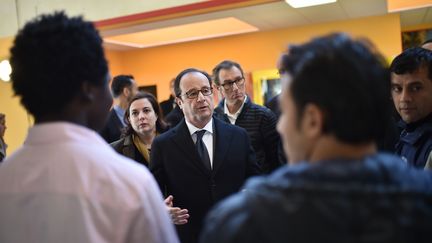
point(228, 84)
point(193, 94)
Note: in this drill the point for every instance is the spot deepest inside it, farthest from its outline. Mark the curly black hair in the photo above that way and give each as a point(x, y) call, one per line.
point(51, 57)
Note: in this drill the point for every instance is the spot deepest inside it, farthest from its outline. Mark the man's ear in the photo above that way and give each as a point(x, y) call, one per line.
point(218, 88)
point(179, 102)
point(312, 121)
point(87, 92)
point(126, 91)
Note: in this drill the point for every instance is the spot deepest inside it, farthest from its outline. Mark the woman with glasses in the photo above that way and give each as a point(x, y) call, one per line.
point(144, 122)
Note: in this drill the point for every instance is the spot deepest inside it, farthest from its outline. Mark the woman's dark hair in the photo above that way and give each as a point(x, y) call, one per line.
point(161, 126)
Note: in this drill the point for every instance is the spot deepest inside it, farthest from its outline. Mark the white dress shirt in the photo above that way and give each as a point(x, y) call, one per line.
point(66, 184)
point(232, 117)
point(207, 138)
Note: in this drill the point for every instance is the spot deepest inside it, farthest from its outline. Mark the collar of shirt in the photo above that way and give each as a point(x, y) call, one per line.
point(120, 114)
point(233, 117)
point(192, 129)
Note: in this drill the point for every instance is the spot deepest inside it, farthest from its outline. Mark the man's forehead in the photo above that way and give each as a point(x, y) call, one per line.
point(194, 79)
point(417, 76)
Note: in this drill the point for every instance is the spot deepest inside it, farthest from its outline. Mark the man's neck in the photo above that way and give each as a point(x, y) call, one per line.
point(328, 148)
point(122, 102)
point(235, 106)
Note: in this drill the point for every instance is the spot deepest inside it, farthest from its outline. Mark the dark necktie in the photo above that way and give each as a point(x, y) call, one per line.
point(202, 150)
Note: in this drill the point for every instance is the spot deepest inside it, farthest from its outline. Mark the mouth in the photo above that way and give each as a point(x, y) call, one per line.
point(143, 125)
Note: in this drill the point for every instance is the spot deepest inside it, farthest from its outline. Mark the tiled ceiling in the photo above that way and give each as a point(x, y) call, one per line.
point(280, 15)
point(268, 16)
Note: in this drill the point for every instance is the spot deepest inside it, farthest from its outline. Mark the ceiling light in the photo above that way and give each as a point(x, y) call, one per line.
point(183, 33)
point(5, 70)
point(307, 3)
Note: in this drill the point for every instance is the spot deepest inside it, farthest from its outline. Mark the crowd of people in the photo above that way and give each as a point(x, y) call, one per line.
point(103, 164)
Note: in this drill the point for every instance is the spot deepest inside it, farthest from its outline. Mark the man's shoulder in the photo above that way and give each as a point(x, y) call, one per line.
point(228, 127)
point(262, 110)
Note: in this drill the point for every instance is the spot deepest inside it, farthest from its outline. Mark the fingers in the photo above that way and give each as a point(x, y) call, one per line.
point(169, 201)
point(179, 216)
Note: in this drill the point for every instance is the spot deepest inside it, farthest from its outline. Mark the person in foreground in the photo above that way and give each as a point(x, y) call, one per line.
point(65, 184)
point(337, 188)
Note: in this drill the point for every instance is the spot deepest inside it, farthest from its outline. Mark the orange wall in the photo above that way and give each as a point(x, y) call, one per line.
point(254, 51)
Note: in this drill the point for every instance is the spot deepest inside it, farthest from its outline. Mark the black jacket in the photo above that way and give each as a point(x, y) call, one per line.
point(377, 199)
point(179, 171)
point(260, 124)
point(113, 128)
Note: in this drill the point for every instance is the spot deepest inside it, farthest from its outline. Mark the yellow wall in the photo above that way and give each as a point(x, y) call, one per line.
point(17, 121)
point(254, 51)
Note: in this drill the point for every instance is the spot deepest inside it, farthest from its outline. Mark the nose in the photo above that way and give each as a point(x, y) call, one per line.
point(200, 96)
point(405, 96)
point(234, 86)
point(141, 115)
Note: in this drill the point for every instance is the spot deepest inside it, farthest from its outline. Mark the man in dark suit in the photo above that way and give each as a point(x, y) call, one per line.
point(168, 105)
point(123, 88)
point(199, 170)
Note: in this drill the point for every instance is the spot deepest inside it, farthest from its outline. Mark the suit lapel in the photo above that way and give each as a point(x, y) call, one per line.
point(221, 143)
point(183, 140)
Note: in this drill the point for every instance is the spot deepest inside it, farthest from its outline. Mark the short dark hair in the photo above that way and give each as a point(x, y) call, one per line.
point(161, 126)
point(52, 56)
point(347, 80)
point(411, 60)
point(119, 83)
point(226, 64)
point(177, 89)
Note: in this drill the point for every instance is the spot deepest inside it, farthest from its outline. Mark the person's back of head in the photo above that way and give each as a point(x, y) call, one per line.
point(346, 80)
point(59, 70)
point(427, 44)
point(120, 82)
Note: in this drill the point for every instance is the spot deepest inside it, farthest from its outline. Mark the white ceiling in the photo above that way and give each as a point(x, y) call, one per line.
point(265, 16)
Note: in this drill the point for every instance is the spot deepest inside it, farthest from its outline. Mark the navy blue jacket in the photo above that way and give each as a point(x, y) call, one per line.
point(179, 171)
point(415, 141)
point(375, 199)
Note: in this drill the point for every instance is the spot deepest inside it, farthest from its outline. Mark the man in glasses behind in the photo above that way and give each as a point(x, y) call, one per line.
point(238, 109)
point(202, 160)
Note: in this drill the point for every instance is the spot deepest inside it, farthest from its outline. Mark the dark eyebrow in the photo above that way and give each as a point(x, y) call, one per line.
point(229, 80)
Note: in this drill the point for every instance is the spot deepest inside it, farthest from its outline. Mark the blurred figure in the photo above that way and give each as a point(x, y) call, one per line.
point(168, 105)
point(337, 188)
point(123, 88)
point(411, 90)
point(65, 184)
point(3, 145)
point(427, 44)
point(144, 121)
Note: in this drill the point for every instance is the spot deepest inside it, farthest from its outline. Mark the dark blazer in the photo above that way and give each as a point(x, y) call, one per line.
point(176, 165)
point(126, 147)
point(112, 130)
point(174, 117)
point(260, 124)
point(167, 105)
